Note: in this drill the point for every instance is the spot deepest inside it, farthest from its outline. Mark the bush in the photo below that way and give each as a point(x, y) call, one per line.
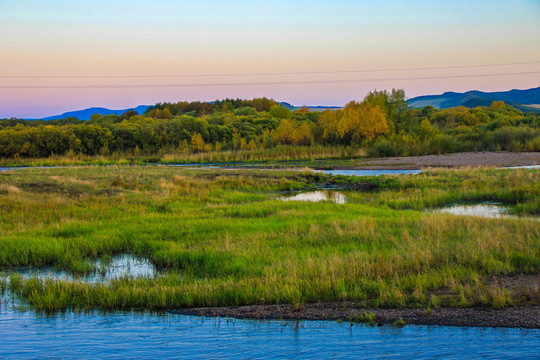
point(384, 148)
point(442, 144)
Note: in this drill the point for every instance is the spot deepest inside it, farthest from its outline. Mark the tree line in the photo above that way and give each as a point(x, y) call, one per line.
point(382, 123)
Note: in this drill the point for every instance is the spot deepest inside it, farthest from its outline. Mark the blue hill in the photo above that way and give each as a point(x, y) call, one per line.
point(87, 113)
point(526, 100)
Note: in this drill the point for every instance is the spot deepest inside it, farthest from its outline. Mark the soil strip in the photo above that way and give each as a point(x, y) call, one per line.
point(521, 317)
point(456, 160)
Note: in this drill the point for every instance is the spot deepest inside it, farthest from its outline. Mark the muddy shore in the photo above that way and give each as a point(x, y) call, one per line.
point(520, 317)
point(456, 160)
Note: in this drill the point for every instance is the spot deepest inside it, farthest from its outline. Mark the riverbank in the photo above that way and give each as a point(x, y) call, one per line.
point(456, 160)
point(521, 317)
point(450, 161)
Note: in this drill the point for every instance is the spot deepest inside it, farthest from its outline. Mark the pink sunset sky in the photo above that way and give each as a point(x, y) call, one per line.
point(59, 56)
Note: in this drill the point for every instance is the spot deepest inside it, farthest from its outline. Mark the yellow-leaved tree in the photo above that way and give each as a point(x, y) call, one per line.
point(284, 132)
point(303, 135)
point(197, 142)
point(362, 121)
point(328, 125)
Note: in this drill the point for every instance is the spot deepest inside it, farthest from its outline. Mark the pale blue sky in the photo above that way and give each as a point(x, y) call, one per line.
point(62, 38)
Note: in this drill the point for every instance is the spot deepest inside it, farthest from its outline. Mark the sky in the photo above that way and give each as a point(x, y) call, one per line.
point(57, 56)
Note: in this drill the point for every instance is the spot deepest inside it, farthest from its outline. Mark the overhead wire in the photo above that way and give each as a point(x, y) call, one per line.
point(295, 82)
point(261, 73)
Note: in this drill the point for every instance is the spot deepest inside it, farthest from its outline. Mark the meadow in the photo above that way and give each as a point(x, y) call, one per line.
point(223, 237)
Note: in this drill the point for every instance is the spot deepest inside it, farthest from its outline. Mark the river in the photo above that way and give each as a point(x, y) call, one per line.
point(126, 335)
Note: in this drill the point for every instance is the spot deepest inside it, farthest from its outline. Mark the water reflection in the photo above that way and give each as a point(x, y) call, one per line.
point(118, 266)
point(317, 196)
point(530, 167)
point(487, 210)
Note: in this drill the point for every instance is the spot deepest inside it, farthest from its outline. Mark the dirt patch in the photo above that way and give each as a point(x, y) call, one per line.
point(473, 159)
point(523, 317)
point(523, 287)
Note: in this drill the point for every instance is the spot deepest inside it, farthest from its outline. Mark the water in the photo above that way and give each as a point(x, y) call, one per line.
point(9, 168)
point(370, 172)
point(317, 196)
point(488, 210)
point(530, 167)
point(165, 336)
point(119, 266)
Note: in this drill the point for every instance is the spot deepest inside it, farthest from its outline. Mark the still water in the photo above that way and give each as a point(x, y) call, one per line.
point(317, 196)
point(118, 266)
point(165, 336)
point(370, 172)
point(488, 210)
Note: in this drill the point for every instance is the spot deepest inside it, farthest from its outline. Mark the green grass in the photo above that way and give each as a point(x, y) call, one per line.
point(224, 238)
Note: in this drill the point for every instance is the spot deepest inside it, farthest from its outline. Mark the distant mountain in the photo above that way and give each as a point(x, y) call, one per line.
point(87, 113)
point(525, 100)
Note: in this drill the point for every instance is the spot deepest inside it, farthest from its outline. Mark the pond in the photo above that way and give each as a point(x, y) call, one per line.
point(166, 336)
point(317, 196)
point(488, 210)
point(119, 266)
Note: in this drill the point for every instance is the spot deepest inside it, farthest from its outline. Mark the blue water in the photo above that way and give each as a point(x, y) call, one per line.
point(134, 336)
point(10, 168)
point(370, 172)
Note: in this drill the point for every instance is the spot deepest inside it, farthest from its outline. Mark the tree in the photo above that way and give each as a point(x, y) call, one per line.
point(197, 142)
point(362, 121)
point(496, 105)
point(328, 125)
point(303, 135)
point(284, 133)
point(426, 130)
point(280, 112)
point(128, 114)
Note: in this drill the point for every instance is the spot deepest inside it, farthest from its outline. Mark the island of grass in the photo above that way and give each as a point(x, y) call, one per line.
point(224, 238)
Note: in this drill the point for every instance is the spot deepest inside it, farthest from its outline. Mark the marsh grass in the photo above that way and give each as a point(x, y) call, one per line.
point(224, 237)
point(278, 153)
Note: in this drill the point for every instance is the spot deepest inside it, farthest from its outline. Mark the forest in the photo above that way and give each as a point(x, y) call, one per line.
point(382, 124)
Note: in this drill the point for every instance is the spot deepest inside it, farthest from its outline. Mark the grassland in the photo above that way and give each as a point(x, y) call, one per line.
point(223, 237)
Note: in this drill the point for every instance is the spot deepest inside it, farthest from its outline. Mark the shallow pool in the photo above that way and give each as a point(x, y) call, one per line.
point(118, 266)
point(489, 210)
point(317, 196)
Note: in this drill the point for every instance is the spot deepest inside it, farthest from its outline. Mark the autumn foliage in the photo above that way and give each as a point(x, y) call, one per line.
point(381, 123)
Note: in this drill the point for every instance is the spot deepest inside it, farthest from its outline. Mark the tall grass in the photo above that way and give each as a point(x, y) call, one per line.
point(224, 237)
point(165, 156)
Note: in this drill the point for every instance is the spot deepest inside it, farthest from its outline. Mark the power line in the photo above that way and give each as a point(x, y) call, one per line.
point(257, 74)
point(134, 86)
